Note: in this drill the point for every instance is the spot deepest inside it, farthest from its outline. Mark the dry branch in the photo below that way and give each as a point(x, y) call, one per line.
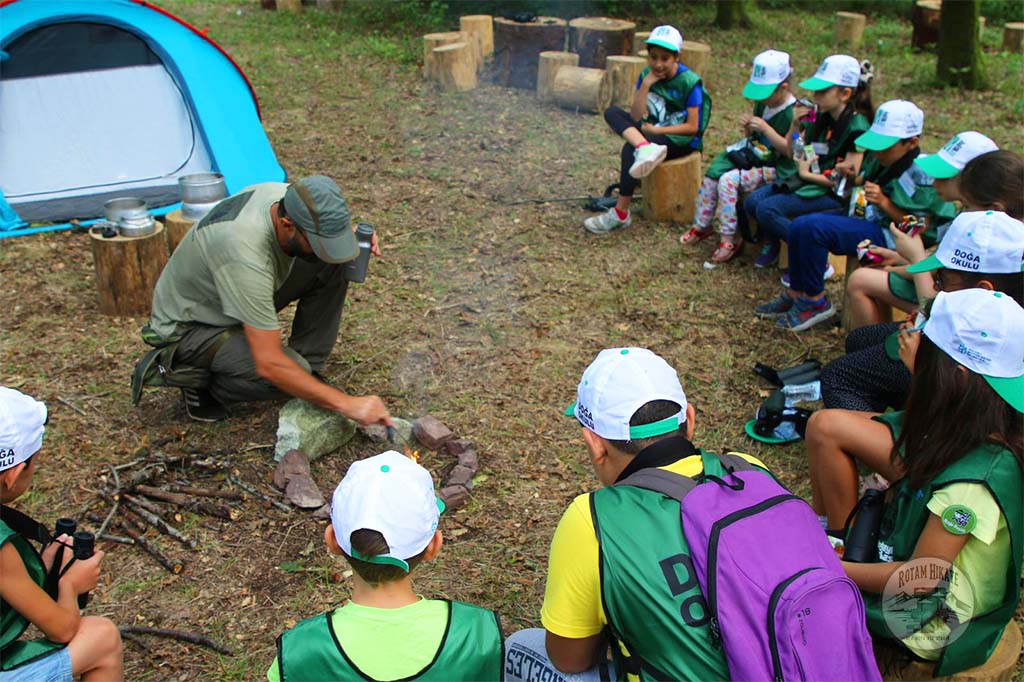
point(180, 635)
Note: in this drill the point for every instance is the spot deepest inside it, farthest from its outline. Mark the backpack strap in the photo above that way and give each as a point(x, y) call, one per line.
point(25, 525)
point(661, 481)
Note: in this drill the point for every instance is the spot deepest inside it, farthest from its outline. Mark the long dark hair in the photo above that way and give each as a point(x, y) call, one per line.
point(995, 180)
point(951, 410)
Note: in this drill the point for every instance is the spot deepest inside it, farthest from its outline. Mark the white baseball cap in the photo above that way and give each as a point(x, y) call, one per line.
point(954, 155)
point(667, 37)
point(771, 67)
point(393, 495)
point(838, 69)
point(22, 422)
point(978, 241)
point(619, 382)
point(895, 120)
point(983, 331)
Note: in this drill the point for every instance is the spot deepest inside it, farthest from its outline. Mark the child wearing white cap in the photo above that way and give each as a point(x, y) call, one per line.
point(843, 110)
point(604, 573)
point(750, 163)
point(669, 113)
point(955, 454)
point(892, 186)
point(384, 518)
point(73, 645)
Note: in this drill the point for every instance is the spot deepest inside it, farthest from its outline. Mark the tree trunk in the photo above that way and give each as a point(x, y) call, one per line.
point(1013, 37)
point(482, 27)
point(456, 67)
point(732, 14)
point(960, 61)
point(432, 41)
point(594, 38)
point(517, 46)
point(670, 192)
point(624, 72)
point(176, 227)
point(576, 87)
point(926, 24)
point(640, 42)
point(547, 69)
point(127, 269)
point(848, 30)
point(696, 57)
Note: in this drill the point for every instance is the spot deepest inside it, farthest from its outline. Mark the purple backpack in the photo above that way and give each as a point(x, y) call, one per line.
point(779, 603)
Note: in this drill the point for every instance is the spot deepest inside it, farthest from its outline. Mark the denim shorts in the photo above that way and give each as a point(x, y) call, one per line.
point(55, 667)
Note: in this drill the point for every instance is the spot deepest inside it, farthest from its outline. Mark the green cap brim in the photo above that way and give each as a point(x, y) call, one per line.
point(570, 411)
point(927, 265)
point(1009, 389)
point(339, 248)
point(749, 428)
point(875, 142)
point(936, 167)
point(816, 84)
point(758, 91)
point(666, 46)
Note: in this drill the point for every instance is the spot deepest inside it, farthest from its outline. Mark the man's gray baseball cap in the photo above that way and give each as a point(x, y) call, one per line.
point(316, 205)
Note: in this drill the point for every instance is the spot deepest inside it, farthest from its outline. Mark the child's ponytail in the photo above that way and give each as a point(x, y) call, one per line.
point(862, 95)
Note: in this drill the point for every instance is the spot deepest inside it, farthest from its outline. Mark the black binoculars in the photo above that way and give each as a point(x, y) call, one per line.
point(83, 547)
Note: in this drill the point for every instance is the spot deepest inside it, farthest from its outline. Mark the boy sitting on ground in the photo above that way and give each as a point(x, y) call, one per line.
point(384, 517)
point(74, 645)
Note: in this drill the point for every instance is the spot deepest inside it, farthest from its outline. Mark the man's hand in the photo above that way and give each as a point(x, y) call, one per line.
point(366, 410)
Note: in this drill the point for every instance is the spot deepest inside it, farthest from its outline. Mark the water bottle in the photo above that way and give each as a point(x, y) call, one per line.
point(355, 271)
point(862, 536)
point(84, 548)
point(797, 146)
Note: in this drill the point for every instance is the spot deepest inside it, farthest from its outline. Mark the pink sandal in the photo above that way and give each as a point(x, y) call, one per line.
point(694, 236)
point(726, 251)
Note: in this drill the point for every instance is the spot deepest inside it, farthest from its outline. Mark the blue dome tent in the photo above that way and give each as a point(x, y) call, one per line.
point(107, 98)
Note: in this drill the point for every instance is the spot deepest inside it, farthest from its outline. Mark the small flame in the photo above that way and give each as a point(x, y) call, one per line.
point(414, 455)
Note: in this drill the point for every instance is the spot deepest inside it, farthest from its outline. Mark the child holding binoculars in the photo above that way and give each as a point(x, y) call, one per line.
point(75, 646)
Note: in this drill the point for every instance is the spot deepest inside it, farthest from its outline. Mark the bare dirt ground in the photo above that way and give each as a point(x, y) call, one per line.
point(480, 313)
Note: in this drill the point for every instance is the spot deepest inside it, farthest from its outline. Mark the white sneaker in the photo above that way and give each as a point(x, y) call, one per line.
point(646, 159)
point(606, 222)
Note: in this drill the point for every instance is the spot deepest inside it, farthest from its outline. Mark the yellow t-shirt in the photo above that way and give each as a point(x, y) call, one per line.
point(388, 644)
point(986, 552)
point(572, 596)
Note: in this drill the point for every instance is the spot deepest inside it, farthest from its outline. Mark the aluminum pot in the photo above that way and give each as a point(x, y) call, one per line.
point(199, 193)
point(131, 215)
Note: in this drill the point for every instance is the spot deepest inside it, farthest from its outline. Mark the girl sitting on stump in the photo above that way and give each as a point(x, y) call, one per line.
point(670, 112)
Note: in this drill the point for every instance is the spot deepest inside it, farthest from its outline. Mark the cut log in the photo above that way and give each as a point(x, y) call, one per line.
point(431, 41)
point(547, 66)
point(640, 42)
point(670, 192)
point(696, 56)
point(925, 20)
point(456, 68)
point(594, 38)
point(127, 269)
point(623, 73)
point(176, 227)
point(481, 26)
point(294, 6)
point(577, 87)
point(848, 30)
point(517, 48)
point(1013, 37)
point(268, 4)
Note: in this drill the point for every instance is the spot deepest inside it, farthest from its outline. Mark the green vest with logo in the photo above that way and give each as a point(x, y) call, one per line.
point(840, 143)
point(652, 601)
point(14, 653)
point(675, 92)
point(472, 648)
point(907, 512)
point(780, 123)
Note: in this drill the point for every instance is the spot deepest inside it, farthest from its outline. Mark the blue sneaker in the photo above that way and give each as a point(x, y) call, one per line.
point(806, 313)
point(775, 308)
point(769, 254)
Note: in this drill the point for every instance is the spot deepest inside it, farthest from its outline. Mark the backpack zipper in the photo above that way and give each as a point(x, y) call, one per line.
point(773, 601)
point(716, 531)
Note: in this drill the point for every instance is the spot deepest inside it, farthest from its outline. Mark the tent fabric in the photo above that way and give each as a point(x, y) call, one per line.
point(104, 98)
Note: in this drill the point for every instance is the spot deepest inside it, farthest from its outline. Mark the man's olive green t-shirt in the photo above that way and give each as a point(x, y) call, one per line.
point(226, 269)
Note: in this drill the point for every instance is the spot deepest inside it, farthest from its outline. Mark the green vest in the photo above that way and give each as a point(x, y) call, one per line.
point(838, 145)
point(675, 92)
point(652, 600)
point(921, 199)
point(12, 624)
point(780, 123)
point(472, 649)
point(905, 516)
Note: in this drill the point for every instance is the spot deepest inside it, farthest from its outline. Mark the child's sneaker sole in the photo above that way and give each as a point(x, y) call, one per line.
point(641, 168)
point(814, 319)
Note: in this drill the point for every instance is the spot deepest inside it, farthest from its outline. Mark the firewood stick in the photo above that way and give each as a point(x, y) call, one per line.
point(160, 557)
point(252, 491)
point(181, 635)
point(116, 538)
point(157, 522)
point(204, 492)
point(220, 511)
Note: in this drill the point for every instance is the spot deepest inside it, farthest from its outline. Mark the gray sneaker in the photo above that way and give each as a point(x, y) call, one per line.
point(606, 222)
point(646, 159)
point(775, 308)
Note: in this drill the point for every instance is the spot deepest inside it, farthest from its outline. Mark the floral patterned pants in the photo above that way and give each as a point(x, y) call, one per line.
point(724, 193)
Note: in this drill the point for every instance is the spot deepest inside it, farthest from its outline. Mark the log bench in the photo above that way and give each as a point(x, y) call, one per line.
point(670, 192)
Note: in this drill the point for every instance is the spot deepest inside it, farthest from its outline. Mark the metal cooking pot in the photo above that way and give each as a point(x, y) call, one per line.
point(131, 216)
point(199, 193)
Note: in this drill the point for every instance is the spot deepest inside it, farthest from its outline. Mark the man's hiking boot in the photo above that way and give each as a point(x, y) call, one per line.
point(201, 406)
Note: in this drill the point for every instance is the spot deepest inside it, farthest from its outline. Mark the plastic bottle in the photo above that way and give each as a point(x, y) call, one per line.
point(355, 271)
point(862, 537)
point(797, 145)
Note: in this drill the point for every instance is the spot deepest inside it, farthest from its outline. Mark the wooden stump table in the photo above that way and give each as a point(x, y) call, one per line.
point(127, 269)
point(517, 48)
point(670, 192)
point(595, 38)
point(176, 227)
